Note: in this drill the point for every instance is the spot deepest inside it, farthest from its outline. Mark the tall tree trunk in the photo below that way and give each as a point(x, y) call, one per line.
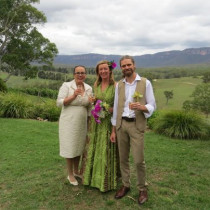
point(7, 78)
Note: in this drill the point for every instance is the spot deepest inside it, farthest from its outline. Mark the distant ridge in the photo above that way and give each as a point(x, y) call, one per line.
point(161, 59)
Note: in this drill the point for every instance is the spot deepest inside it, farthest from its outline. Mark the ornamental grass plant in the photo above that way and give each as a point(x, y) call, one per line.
point(182, 125)
point(15, 105)
point(19, 105)
point(47, 110)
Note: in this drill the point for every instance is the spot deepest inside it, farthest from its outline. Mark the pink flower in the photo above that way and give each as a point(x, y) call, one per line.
point(98, 101)
point(114, 65)
point(97, 108)
point(98, 121)
point(95, 112)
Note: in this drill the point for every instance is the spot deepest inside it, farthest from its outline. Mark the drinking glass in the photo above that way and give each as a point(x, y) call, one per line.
point(92, 98)
point(79, 96)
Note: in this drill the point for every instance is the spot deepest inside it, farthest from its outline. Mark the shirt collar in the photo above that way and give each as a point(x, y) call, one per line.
point(136, 79)
point(73, 84)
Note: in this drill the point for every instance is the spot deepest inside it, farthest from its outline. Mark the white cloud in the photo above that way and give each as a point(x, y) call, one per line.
point(126, 27)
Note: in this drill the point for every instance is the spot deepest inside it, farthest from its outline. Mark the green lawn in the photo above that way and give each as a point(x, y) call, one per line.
point(33, 176)
point(182, 89)
point(19, 82)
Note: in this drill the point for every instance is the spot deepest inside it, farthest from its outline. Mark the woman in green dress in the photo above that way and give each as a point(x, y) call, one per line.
point(102, 156)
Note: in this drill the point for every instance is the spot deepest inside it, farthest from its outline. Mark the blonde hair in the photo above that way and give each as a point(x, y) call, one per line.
point(98, 79)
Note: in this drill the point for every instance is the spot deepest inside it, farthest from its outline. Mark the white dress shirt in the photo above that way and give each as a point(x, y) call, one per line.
point(129, 91)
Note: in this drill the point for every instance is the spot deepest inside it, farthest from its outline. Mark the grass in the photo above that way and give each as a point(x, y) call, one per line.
point(19, 82)
point(182, 89)
point(33, 176)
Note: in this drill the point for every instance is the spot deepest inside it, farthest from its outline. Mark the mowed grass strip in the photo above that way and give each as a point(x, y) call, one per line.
point(182, 88)
point(33, 176)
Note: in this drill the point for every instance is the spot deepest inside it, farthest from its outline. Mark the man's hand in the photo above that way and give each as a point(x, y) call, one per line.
point(138, 106)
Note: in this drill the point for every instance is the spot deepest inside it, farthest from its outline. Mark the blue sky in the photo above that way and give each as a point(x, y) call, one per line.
point(134, 27)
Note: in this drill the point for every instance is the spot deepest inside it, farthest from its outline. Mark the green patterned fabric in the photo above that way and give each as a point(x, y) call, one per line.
point(101, 161)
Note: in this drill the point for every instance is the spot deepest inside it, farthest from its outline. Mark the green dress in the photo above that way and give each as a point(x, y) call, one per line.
point(102, 157)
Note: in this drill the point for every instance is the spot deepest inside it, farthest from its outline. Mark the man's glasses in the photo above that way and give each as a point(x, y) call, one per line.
point(78, 73)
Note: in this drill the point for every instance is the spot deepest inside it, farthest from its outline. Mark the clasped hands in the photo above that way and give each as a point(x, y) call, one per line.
point(136, 106)
point(77, 92)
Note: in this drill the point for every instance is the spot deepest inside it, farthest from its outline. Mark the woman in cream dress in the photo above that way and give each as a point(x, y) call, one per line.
point(73, 98)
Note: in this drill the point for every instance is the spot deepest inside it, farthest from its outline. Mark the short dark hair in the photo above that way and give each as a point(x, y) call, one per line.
point(79, 66)
point(127, 57)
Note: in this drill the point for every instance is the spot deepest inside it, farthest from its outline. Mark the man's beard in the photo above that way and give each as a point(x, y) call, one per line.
point(127, 73)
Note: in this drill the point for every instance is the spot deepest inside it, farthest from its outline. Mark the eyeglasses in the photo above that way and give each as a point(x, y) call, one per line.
point(78, 73)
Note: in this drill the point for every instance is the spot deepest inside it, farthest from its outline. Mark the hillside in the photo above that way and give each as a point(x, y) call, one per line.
point(169, 58)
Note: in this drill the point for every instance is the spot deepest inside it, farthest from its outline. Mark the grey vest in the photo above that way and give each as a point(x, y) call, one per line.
point(140, 118)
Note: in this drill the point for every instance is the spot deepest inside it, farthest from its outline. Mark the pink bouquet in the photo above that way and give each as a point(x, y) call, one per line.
point(100, 110)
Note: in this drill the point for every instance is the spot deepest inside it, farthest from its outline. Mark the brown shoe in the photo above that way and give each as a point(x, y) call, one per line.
point(143, 197)
point(121, 192)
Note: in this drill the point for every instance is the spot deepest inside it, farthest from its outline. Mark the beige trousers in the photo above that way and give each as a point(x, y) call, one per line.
point(129, 136)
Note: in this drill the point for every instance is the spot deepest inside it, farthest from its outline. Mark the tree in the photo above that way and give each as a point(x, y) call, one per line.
point(31, 73)
point(168, 95)
point(149, 76)
point(3, 87)
point(21, 43)
point(206, 77)
point(187, 105)
point(201, 99)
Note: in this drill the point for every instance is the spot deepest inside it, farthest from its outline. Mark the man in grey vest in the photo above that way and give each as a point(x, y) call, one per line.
point(134, 102)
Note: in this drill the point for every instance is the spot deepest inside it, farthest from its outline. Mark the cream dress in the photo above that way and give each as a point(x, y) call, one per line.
point(73, 120)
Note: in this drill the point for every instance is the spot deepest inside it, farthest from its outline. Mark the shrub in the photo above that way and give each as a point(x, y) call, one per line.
point(15, 105)
point(90, 80)
point(55, 85)
point(201, 99)
point(1, 99)
point(43, 92)
point(152, 119)
point(182, 125)
point(3, 87)
point(47, 110)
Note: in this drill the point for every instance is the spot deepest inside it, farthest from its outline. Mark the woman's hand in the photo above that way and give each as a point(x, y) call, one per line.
point(113, 137)
point(110, 110)
point(92, 99)
point(77, 92)
point(69, 99)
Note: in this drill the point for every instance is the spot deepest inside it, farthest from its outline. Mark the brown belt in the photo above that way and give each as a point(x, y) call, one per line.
point(129, 119)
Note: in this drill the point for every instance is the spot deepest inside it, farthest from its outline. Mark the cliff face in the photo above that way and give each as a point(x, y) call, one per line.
point(197, 51)
point(169, 58)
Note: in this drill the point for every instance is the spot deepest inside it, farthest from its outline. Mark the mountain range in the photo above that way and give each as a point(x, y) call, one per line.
point(160, 59)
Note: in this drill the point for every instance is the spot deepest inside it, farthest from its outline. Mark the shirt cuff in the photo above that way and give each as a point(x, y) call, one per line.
point(113, 122)
point(150, 111)
point(60, 102)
